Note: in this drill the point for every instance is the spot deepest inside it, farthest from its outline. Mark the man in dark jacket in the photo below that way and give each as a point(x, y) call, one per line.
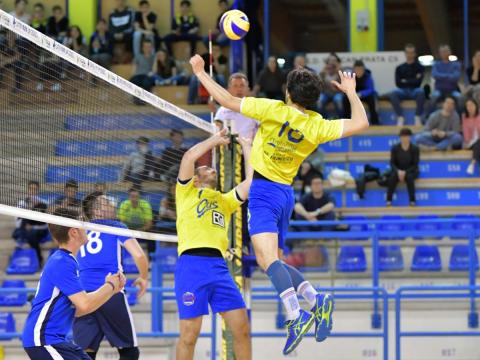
point(404, 159)
point(365, 90)
point(121, 24)
point(408, 78)
point(185, 27)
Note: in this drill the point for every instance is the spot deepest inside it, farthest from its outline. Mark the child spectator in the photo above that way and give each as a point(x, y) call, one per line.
point(271, 81)
point(101, 45)
point(145, 22)
point(39, 22)
point(185, 28)
point(57, 25)
point(471, 132)
point(120, 24)
point(165, 71)
point(330, 93)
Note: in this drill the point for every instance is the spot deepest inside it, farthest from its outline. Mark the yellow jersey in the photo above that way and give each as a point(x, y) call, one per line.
point(203, 217)
point(286, 137)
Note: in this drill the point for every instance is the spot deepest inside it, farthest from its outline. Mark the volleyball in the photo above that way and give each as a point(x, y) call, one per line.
point(234, 24)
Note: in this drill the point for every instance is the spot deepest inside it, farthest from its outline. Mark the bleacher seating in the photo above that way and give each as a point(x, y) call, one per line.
point(131, 295)
point(128, 263)
point(392, 227)
point(168, 258)
point(460, 257)
point(390, 258)
point(426, 258)
point(463, 226)
point(7, 323)
point(13, 299)
point(23, 261)
point(357, 227)
point(351, 259)
point(424, 225)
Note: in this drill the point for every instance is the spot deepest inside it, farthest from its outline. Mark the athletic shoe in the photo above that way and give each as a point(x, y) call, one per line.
point(296, 329)
point(323, 311)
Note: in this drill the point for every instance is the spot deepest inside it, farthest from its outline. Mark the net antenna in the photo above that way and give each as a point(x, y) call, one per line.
point(82, 127)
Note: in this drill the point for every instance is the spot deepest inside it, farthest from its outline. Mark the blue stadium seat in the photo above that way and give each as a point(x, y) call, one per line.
point(131, 295)
point(463, 226)
point(459, 258)
point(7, 324)
point(390, 258)
point(46, 238)
point(23, 261)
point(357, 227)
point(391, 227)
point(424, 225)
point(426, 258)
point(351, 259)
point(168, 259)
point(128, 264)
point(11, 298)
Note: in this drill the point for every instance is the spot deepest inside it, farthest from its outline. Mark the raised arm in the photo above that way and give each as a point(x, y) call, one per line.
point(221, 95)
point(359, 120)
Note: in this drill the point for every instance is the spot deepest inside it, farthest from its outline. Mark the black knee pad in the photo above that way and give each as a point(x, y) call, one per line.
point(131, 353)
point(93, 355)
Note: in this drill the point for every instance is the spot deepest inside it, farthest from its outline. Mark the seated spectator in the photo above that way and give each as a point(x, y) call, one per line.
point(70, 198)
point(102, 187)
point(218, 37)
point(139, 165)
point(408, 78)
point(300, 62)
point(404, 159)
point(473, 77)
point(330, 93)
point(120, 24)
point(145, 23)
point(143, 66)
point(311, 168)
point(101, 45)
point(271, 81)
point(365, 90)
point(442, 131)
point(137, 214)
point(76, 41)
point(316, 205)
point(446, 74)
point(169, 162)
point(31, 231)
point(57, 25)
point(167, 213)
point(20, 11)
point(39, 22)
point(185, 28)
point(471, 132)
point(165, 71)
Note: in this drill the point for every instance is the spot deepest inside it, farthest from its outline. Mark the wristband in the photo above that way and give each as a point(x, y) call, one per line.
point(110, 283)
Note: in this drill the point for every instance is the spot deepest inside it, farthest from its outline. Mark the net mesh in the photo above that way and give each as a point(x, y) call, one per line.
point(75, 127)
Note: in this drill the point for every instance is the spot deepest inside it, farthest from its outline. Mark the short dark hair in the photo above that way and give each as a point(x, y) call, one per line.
point(450, 97)
point(304, 87)
point(57, 7)
point(143, 2)
point(71, 183)
point(237, 75)
point(410, 46)
point(316, 176)
point(405, 132)
point(33, 182)
point(223, 1)
point(185, 3)
point(176, 131)
point(60, 232)
point(39, 5)
point(19, 1)
point(88, 203)
point(359, 63)
point(134, 189)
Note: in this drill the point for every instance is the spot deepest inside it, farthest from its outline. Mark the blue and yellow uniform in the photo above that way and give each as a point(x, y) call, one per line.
point(284, 140)
point(202, 277)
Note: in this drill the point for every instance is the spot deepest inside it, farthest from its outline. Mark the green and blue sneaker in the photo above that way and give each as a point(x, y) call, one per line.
point(296, 329)
point(323, 311)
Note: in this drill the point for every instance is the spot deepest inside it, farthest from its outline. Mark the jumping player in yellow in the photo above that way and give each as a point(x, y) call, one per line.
point(202, 277)
point(288, 133)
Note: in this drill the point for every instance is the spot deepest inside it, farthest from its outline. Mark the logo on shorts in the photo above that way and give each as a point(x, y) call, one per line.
point(188, 299)
point(218, 219)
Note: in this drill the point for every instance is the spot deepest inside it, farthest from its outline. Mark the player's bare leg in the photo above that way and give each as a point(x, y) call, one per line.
point(266, 249)
point(189, 331)
point(237, 322)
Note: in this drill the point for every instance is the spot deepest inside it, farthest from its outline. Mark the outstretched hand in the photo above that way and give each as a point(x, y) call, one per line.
point(198, 64)
point(222, 137)
point(347, 82)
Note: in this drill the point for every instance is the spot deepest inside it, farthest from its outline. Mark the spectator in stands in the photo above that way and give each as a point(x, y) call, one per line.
point(76, 41)
point(70, 198)
point(137, 214)
point(218, 37)
point(101, 186)
point(316, 205)
point(473, 77)
point(167, 213)
point(271, 81)
point(145, 27)
point(365, 90)
point(101, 45)
point(330, 93)
point(39, 22)
point(20, 11)
point(57, 25)
point(446, 74)
point(185, 28)
point(442, 131)
point(32, 231)
point(165, 71)
point(139, 165)
point(311, 168)
point(169, 162)
point(404, 160)
point(239, 124)
point(120, 24)
point(408, 78)
point(300, 62)
point(143, 66)
point(471, 132)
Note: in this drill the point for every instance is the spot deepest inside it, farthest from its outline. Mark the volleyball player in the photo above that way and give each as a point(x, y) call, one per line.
point(288, 133)
point(99, 257)
point(202, 277)
point(60, 296)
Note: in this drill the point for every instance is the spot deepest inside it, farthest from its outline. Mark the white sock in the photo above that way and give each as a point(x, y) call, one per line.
point(291, 304)
point(308, 292)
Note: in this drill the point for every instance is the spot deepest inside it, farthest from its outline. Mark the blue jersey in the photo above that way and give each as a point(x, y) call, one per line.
point(52, 312)
point(101, 255)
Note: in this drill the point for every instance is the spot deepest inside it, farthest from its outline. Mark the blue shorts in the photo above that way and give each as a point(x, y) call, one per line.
point(201, 281)
point(270, 207)
point(64, 350)
point(113, 320)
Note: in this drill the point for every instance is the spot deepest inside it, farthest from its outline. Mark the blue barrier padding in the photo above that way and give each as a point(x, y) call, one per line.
point(340, 145)
point(370, 143)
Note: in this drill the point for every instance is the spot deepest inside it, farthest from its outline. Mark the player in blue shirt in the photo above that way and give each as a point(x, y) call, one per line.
point(60, 296)
point(100, 256)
